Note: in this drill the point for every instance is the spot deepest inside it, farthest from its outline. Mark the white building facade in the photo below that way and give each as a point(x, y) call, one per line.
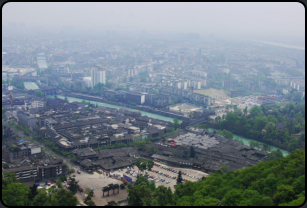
point(97, 76)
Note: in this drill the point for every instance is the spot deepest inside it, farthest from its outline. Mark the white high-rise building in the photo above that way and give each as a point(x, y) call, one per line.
point(179, 85)
point(185, 85)
point(98, 75)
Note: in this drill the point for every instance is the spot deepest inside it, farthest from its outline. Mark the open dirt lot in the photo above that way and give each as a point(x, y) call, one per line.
point(184, 108)
point(220, 97)
point(97, 181)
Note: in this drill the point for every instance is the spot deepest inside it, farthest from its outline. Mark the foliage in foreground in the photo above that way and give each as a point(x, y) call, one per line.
point(276, 182)
point(15, 193)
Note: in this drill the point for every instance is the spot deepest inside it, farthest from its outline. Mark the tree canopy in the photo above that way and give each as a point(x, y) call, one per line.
point(39, 93)
point(15, 193)
point(269, 183)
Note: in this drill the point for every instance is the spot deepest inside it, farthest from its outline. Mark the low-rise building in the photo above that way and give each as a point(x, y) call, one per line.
point(28, 121)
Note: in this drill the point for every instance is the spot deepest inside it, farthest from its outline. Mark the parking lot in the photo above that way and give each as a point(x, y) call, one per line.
point(169, 181)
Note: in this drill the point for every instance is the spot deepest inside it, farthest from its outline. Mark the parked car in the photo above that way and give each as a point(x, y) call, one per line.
point(169, 176)
point(173, 170)
point(161, 173)
point(167, 182)
point(184, 173)
point(163, 180)
point(157, 181)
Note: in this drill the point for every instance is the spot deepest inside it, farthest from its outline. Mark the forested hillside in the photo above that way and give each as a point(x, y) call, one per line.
point(269, 183)
point(260, 124)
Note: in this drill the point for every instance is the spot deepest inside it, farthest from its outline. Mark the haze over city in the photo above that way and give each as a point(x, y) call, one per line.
point(153, 104)
point(277, 22)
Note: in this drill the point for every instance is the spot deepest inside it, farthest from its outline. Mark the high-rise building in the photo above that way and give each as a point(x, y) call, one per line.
point(98, 75)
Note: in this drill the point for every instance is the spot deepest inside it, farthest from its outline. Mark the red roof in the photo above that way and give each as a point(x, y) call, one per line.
point(173, 143)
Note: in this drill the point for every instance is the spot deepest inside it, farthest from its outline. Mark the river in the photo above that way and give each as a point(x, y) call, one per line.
point(164, 118)
point(144, 113)
point(246, 142)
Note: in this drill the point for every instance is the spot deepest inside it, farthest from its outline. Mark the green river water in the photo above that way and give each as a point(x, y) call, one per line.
point(144, 113)
point(164, 118)
point(246, 142)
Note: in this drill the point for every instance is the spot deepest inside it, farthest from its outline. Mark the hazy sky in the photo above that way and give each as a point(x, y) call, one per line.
point(262, 21)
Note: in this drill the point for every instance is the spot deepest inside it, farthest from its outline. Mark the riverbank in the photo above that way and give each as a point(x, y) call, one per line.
point(143, 113)
point(247, 140)
point(137, 107)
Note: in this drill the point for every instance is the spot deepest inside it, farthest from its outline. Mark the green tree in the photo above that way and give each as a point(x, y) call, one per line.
point(33, 192)
point(14, 193)
point(142, 145)
point(73, 185)
point(296, 96)
point(245, 111)
point(65, 198)
point(59, 183)
point(152, 149)
point(143, 79)
point(293, 144)
point(292, 113)
point(227, 134)
point(260, 122)
point(272, 118)
point(152, 185)
point(270, 131)
point(207, 201)
point(163, 195)
point(176, 123)
point(232, 198)
point(218, 119)
point(284, 194)
point(44, 198)
point(39, 93)
point(179, 178)
point(139, 195)
point(21, 85)
point(255, 111)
